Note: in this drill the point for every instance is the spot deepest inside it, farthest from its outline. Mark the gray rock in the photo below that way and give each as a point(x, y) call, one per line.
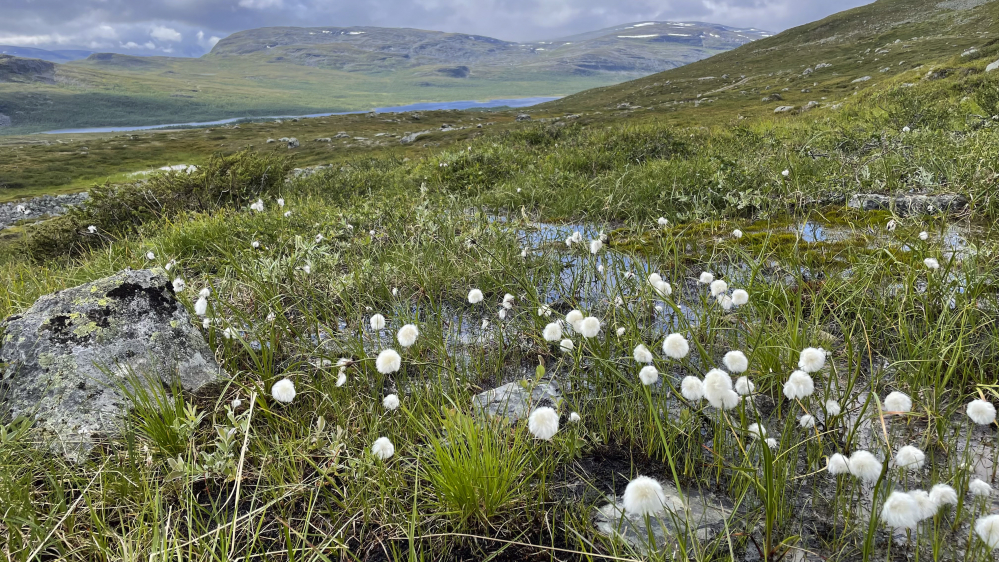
point(68, 357)
point(293, 142)
point(905, 205)
point(772, 97)
point(270, 141)
point(411, 138)
point(514, 401)
point(784, 109)
point(341, 135)
point(822, 65)
point(324, 139)
point(695, 514)
point(810, 105)
point(992, 66)
point(38, 207)
point(861, 79)
point(523, 117)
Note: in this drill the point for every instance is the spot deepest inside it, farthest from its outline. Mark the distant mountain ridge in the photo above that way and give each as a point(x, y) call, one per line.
point(63, 55)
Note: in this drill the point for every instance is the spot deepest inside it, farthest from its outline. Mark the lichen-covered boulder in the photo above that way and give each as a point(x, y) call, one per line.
point(67, 359)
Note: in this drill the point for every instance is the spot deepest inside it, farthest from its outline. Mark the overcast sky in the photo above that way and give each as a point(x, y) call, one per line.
point(191, 27)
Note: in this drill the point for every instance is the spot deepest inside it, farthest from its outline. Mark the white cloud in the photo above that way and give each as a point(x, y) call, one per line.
point(164, 33)
point(150, 45)
point(207, 43)
point(130, 45)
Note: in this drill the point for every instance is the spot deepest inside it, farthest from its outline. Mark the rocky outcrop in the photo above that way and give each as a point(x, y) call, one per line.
point(31, 209)
point(16, 69)
point(411, 138)
point(70, 361)
point(904, 205)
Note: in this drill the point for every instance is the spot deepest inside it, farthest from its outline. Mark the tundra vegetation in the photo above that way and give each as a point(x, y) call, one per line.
point(714, 316)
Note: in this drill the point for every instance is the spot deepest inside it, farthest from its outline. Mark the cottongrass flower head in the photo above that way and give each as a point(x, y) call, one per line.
point(543, 423)
point(987, 529)
point(589, 327)
point(661, 221)
point(910, 458)
point(925, 504)
point(662, 288)
point(255, 245)
point(388, 361)
point(737, 234)
point(718, 287)
point(574, 318)
point(740, 297)
point(150, 255)
point(280, 202)
point(201, 306)
point(552, 332)
point(744, 386)
point(205, 293)
point(595, 246)
point(942, 494)
point(382, 449)
point(377, 322)
point(287, 214)
point(900, 511)
point(981, 412)
point(718, 390)
point(566, 345)
point(283, 391)
point(786, 173)
point(648, 375)
point(812, 359)
point(642, 354)
point(807, 421)
point(931, 263)
point(832, 407)
point(865, 466)
point(644, 496)
point(675, 346)
point(898, 402)
point(735, 361)
point(706, 278)
point(924, 235)
point(772, 443)
point(391, 402)
point(837, 464)
point(574, 417)
point(475, 296)
point(545, 310)
point(258, 206)
point(726, 302)
point(508, 300)
point(341, 378)
point(799, 385)
point(407, 335)
point(692, 388)
point(979, 487)
point(757, 431)
point(620, 331)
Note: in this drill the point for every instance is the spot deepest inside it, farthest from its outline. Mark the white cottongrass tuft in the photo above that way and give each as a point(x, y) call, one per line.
point(543, 423)
point(898, 402)
point(726, 302)
point(756, 431)
point(644, 496)
point(812, 359)
point(799, 385)
point(772, 443)
point(910, 458)
point(736, 362)
point(807, 421)
point(258, 206)
point(648, 375)
point(662, 288)
point(620, 331)
point(388, 361)
point(924, 235)
point(865, 466)
point(475, 296)
point(382, 448)
point(545, 310)
point(744, 386)
point(786, 173)
point(287, 214)
point(837, 464)
point(280, 202)
point(706, 278)
point(201, 307)
point(377, 322)
point(987, 529)
point(566, 345)
point(150, 255)
point(508, 301)
point(391, 402)
point(595, 246)
point(931, 263)
point(255, 245)
point(485, 323)
point(283, 391)
point(642, 354)
point(740, 297)
point(552, 332)
point(900, 511)
point(925, 506)
point(942, 494)
point(737, 234)
point(675, 346)
point(205, 293)
point(341, 378)
point(981, 412)
point(407, 335)
point(718, 287)
point(692, 388)
point(589, 327)
point(718, 390)
point(661, 221)
point(574, 417)
point(979, 487)
point(832, 407)
point(574, 318)
point(206, 323)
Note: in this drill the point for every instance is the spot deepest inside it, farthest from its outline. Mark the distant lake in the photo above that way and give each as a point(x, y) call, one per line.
point(430, 106)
